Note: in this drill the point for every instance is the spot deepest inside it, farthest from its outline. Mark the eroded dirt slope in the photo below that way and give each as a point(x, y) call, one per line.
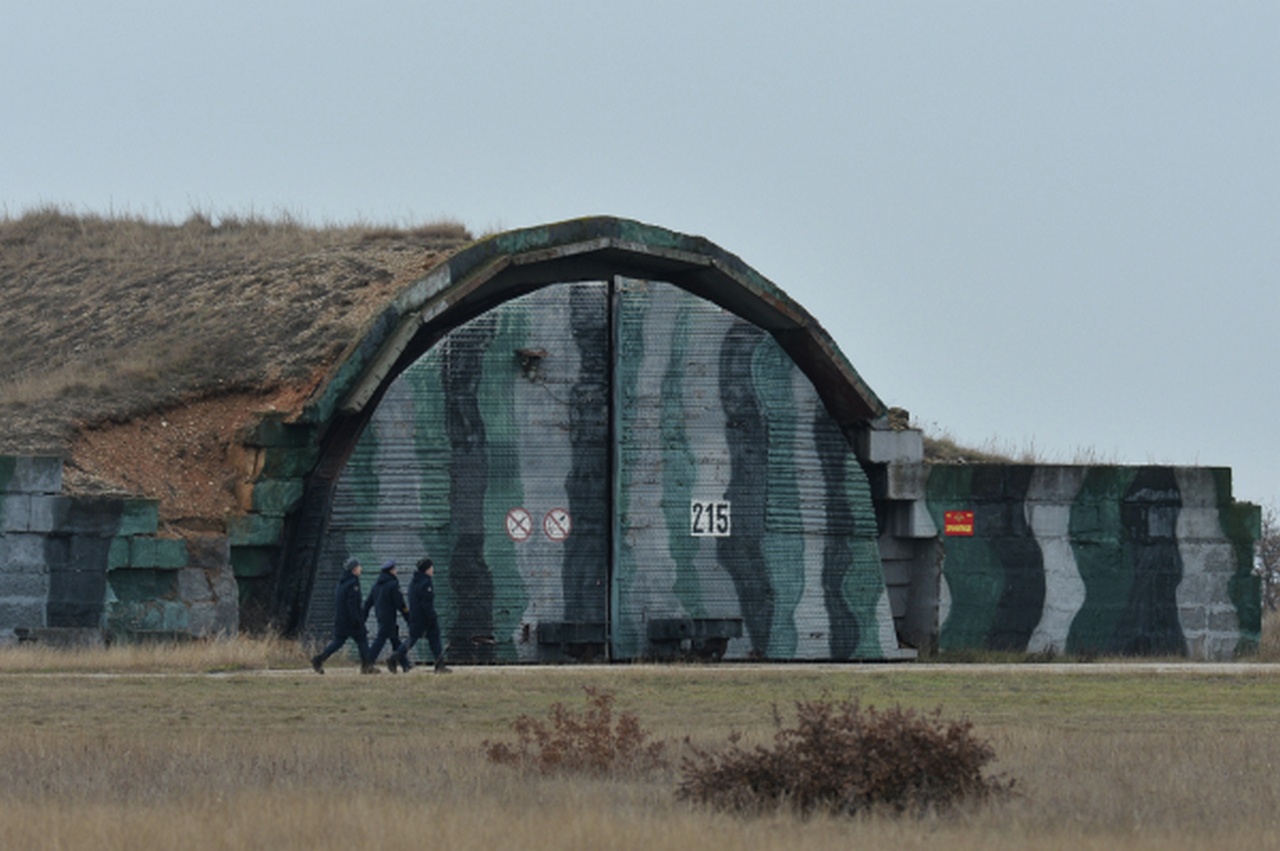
point(135, 349)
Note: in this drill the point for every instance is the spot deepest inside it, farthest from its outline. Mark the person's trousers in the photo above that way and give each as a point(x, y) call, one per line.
point(432, 632)
point(386, 634)
point(340, 638)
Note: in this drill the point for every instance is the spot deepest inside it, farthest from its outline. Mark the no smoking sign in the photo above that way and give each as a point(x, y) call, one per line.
point(557, 524)
point(519, 525)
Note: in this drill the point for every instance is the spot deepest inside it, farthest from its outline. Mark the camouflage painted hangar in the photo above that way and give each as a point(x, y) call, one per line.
point(619, 442)
point(613, 440)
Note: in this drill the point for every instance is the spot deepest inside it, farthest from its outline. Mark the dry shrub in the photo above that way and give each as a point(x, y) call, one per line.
point(588, 742)
point(841, 759)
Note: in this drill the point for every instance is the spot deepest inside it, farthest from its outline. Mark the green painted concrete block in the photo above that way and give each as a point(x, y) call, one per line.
point(272, 431)
point(143, 586)
point(1222, 484)
point(140, 517)
point(276, 497)
point(1243, 520)
point(151, 619)
point(142, 552)
point(97, 517)
point(175, 617)
point(30, 474)
point(119, 554)
point(289, 463)
point(250, 530)
point(253, 562)
point(164, 553)
point(15, 513)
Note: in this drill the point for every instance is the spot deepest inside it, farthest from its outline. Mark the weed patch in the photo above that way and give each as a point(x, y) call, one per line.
point(842, 759)
point(590, 742)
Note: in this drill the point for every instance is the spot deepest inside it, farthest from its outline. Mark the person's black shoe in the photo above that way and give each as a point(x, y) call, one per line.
point(442, 668)
point(391, 663)
point(317, 664)
point(369, 669)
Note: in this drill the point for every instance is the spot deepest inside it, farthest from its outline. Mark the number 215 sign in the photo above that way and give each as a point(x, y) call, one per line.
point(709, 519)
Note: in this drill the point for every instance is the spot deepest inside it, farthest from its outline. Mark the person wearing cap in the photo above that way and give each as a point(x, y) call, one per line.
point(387, 602)
point(348, 620)
point(422, 617)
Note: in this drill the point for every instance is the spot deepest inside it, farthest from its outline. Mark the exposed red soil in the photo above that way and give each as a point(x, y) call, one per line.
point(138, 351)
point(184, 457)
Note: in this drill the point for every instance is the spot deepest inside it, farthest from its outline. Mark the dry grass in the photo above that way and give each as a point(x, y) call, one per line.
point(241, 653)
point(942, 447)
point(291, 760)
point(1269, 643)
point(105, 318)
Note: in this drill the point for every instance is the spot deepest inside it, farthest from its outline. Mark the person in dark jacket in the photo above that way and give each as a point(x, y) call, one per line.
point(348, 620)
point(422, 617)
point(387, 602)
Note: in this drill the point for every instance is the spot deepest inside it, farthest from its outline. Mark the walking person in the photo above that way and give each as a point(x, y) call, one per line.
point(387, 601)
point(348, 620)
point(422, 617)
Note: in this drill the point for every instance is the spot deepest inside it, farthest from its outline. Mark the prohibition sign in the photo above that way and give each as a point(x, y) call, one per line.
point(557, 524)
point(519, 525)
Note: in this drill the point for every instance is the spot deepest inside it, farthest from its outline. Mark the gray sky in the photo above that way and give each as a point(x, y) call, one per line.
point(1048, 225)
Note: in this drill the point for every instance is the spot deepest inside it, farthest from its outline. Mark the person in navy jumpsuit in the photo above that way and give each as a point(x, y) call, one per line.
point(387, 602)
point(348, 620)
point(422, 617)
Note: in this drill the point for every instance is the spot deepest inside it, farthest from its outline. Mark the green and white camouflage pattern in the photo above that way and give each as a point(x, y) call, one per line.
point(617, 467)
point(1149, 561)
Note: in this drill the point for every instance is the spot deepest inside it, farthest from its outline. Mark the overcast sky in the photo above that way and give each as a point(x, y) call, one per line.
point(1033, 224)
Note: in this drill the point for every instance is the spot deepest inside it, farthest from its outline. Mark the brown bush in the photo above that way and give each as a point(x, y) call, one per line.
point(840, 758)
point(590, 742)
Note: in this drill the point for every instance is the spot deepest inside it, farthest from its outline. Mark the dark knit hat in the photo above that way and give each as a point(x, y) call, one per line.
point(424, 563)
point(352, 564)
point(391, 565)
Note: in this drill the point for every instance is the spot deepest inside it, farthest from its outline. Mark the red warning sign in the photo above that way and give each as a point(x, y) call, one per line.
point(958, 523)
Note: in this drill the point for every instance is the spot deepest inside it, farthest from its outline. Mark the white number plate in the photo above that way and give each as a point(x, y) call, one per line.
point(709, 519)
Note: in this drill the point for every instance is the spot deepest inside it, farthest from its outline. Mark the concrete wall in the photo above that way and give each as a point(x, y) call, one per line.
point(1087, 560)
point(1062, 559)
point(1148, 561)
point(99, 563)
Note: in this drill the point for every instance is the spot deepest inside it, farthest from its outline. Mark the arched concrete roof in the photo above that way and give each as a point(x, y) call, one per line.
point(490, 272)
point(510, 264)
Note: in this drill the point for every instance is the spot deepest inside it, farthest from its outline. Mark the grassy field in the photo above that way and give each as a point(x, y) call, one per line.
point(275, 757)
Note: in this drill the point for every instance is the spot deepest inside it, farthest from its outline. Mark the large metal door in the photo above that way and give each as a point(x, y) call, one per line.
point(745, 526)
point(619, 470)
point(491, 454)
